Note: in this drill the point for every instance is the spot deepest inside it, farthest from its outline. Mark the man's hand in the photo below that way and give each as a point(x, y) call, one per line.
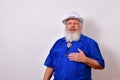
point(81, 57)
point(78, 57)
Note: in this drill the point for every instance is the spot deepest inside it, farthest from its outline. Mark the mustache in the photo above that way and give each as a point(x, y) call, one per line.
point(72, 29)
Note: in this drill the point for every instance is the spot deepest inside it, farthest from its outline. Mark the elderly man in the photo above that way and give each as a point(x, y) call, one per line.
point(73, 56)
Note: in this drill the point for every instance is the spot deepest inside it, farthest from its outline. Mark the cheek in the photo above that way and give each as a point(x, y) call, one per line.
point(68, 27)
point(79, 27)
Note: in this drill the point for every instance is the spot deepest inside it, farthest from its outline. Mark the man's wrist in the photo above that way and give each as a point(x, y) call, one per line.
point(86, 60)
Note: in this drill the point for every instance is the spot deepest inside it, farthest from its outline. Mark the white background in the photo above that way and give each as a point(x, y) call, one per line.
point(29, 28)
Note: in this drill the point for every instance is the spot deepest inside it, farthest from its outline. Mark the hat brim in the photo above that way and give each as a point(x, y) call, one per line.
point(65, 20)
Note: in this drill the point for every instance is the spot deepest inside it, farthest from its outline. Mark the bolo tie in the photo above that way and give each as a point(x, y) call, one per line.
point(69, 44)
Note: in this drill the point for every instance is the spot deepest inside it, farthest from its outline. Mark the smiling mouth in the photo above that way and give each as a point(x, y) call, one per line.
point(72, 29)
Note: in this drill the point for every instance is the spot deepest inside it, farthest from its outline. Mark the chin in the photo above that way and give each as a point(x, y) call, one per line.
point(72, 36)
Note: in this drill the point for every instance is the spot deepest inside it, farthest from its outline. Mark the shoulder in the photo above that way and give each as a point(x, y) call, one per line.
point(89, 40)
point(59, 41)
point(92, 44)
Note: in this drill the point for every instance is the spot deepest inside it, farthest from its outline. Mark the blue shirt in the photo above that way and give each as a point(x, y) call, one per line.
point(64, 69)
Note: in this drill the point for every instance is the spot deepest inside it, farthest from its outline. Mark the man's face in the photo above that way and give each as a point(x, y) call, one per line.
point(73, 25)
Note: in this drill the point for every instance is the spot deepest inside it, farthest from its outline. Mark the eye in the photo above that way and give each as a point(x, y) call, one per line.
point(69, 23)
point(77, 23)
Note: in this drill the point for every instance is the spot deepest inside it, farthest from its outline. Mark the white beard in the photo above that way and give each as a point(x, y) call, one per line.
point(72, 36)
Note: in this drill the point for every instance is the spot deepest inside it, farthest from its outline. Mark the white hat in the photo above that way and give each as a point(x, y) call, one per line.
point(73, 15)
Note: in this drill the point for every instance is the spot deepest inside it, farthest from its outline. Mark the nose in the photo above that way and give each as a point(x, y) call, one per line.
point(72, 25)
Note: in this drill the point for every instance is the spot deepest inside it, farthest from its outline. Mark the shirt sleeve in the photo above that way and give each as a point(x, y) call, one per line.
point(95, 53)
point(49, 60)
